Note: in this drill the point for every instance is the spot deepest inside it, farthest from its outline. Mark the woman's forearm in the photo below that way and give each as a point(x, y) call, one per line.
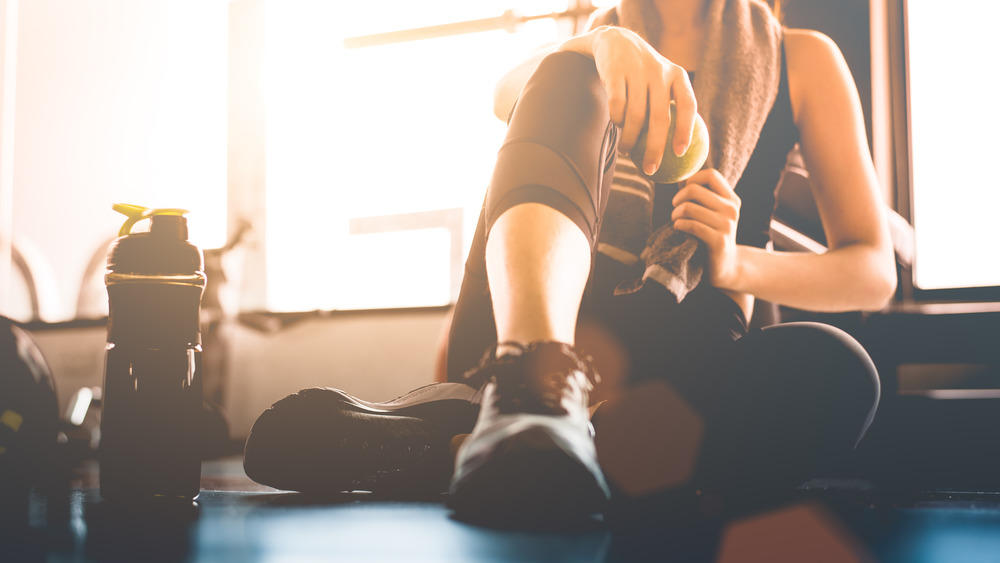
point(850, 278)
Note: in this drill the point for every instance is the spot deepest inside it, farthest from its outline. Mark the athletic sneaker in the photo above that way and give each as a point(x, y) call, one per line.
point(532, 453)
point(322, 440)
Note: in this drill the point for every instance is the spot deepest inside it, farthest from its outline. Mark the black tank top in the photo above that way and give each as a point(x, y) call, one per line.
point(756, 187)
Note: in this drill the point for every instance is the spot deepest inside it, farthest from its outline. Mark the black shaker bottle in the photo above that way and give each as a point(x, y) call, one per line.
point(152, 403)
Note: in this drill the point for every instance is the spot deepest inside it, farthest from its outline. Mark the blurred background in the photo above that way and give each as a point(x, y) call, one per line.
point(334, 175)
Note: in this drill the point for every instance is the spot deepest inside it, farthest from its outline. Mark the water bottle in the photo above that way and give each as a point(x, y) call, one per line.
point(152, 403)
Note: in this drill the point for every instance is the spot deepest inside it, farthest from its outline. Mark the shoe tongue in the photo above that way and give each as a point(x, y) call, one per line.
point(546, 358)
point(536, 381)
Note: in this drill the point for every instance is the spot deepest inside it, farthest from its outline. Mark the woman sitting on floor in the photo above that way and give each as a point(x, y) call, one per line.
point(571, 232)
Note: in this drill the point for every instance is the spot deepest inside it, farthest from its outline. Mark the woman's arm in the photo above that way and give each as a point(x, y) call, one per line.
point(858, 270)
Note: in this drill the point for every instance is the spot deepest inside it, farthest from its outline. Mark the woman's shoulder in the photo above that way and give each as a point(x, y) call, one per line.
point(814, 64)
point(809, 52)
point(808, 42)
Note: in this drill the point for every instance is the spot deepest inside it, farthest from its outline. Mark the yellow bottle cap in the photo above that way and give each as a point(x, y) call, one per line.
point(136, 213)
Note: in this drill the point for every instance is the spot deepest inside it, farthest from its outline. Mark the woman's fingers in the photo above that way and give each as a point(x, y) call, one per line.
point(713, 180)
point(657, 129)
point(712, 204)
point(635, 113)
point(614, 84)
point(687, 108)
point(704, 184)
point(702, 214)
point(700, 195)
point(640, 84)
point(701, 231)
point(708, 209)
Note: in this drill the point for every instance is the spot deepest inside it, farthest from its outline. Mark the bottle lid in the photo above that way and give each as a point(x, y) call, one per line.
point(163, 250)
point(136, 213)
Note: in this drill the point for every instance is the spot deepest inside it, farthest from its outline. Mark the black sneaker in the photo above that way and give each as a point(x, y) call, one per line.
point(323, 440)
point(531, 454)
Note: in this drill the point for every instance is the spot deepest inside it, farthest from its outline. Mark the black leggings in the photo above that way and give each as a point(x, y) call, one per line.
point(799, 394)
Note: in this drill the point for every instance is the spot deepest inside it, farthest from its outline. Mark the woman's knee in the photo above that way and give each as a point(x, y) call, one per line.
point(571, 75)
point(830, 363)
point(560, 145)
point(826, 345)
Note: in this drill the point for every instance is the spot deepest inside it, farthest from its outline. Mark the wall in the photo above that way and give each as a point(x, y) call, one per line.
point(847, 23)
point(374, 355)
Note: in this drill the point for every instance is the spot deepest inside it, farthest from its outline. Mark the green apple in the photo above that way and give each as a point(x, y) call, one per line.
point(675, 168)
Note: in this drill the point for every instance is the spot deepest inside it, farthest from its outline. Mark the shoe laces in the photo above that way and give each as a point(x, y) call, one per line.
point(538, 374)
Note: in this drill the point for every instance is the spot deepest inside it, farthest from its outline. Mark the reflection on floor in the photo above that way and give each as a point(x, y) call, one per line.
point(237, 520)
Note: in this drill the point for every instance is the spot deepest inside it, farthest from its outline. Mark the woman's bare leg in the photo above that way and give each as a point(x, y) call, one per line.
point(537, 263)
point(531, 453)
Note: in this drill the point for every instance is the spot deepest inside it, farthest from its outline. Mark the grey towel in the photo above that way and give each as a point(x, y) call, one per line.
point(736, 84)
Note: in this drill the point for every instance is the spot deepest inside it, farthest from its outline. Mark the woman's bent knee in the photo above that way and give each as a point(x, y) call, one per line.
point(832, 363)
point(560, 145)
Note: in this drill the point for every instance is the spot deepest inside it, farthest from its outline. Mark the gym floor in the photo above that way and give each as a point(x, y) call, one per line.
point(236, 519)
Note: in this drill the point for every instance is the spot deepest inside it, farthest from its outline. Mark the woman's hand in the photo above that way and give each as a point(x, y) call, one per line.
point(640, 82)
point(708, 208)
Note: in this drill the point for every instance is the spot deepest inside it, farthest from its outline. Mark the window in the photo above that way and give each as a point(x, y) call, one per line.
point(953, 119)
point(103, 101)
point(379, 157)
